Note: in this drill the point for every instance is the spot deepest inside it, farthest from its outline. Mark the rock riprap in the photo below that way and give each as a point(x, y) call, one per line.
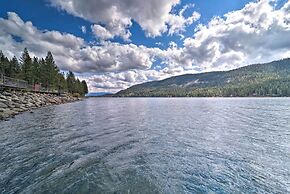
point(14, 102)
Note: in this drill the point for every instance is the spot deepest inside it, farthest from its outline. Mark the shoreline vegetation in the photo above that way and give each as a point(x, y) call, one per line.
point(41, 72)
point(30, 83)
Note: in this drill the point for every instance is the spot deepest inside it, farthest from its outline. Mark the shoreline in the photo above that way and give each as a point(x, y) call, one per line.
point(188, 97)
point(15, 102)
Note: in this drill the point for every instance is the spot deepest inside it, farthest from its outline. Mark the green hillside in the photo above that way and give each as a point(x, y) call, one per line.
point(269, 79)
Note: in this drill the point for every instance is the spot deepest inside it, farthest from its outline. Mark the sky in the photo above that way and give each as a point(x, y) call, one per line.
point(114, 44)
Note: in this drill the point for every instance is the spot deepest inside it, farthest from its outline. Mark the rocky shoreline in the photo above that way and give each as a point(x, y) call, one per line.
point(15, 102)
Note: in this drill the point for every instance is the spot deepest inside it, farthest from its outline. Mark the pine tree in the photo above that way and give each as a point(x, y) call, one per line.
point(43, 71)
point(71, 82)
point(52, 71)
point(85, 87)
point(2, 66)
point(36, 70)
point(62, 82)
point(15, 68)
point(78, 86)
point(26, 70)
point(43, 74)
point(5, 65)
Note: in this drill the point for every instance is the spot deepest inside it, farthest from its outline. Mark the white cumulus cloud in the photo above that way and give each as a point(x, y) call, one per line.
point(71, 52)
point(259, 32)
point(256, 33)
point(153, 16)
point(84, 29)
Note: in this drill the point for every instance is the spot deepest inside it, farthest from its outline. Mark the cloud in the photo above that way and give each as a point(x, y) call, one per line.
point(71, 52)
point(84, 29)
point(178, 23)
point(111, 31)
point(113, 82)
point(256, 33)
point(114, 57)
point(259, 32)
point(114, 18)
point(38, 42)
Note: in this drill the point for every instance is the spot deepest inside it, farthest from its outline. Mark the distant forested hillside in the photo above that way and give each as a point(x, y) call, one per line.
point(269, 79)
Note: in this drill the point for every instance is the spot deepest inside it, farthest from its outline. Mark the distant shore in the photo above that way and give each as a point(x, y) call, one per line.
point(15, 102)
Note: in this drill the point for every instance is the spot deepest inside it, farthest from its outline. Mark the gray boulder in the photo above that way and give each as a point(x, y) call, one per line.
point(3, 105)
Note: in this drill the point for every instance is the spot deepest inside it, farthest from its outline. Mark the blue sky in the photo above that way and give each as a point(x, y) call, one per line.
point(129, 42)
point(47, 17)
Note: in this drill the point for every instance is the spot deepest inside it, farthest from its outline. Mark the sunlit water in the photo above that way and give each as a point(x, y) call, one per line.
point(149, 145)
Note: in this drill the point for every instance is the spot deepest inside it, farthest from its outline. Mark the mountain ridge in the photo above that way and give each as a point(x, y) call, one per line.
point(264, 79)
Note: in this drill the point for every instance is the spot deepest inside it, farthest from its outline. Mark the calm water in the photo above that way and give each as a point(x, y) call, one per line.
point(143, 145)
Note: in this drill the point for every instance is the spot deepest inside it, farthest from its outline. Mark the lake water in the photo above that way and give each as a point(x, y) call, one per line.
point(149, 145)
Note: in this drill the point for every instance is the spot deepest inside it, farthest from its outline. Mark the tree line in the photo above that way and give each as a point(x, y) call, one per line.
point(258, 80)
point(42, 71)
point(273, 88)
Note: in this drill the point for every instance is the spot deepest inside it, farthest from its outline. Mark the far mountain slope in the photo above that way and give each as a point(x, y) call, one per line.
point(269, 79)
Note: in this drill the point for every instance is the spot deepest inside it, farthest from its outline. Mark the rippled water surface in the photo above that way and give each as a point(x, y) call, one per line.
point(149, 145)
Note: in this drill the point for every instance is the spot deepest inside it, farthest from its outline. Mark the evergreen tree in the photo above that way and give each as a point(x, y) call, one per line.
point(71, 82)
point(15, 68)
point(85, 87)
point(52, 71)
point(5, 65)
point(62, 82)
point(2, 66)
point(26, 70)
point(78, 87)
point(36, 71)
point(43, 74)
point(41, 71)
